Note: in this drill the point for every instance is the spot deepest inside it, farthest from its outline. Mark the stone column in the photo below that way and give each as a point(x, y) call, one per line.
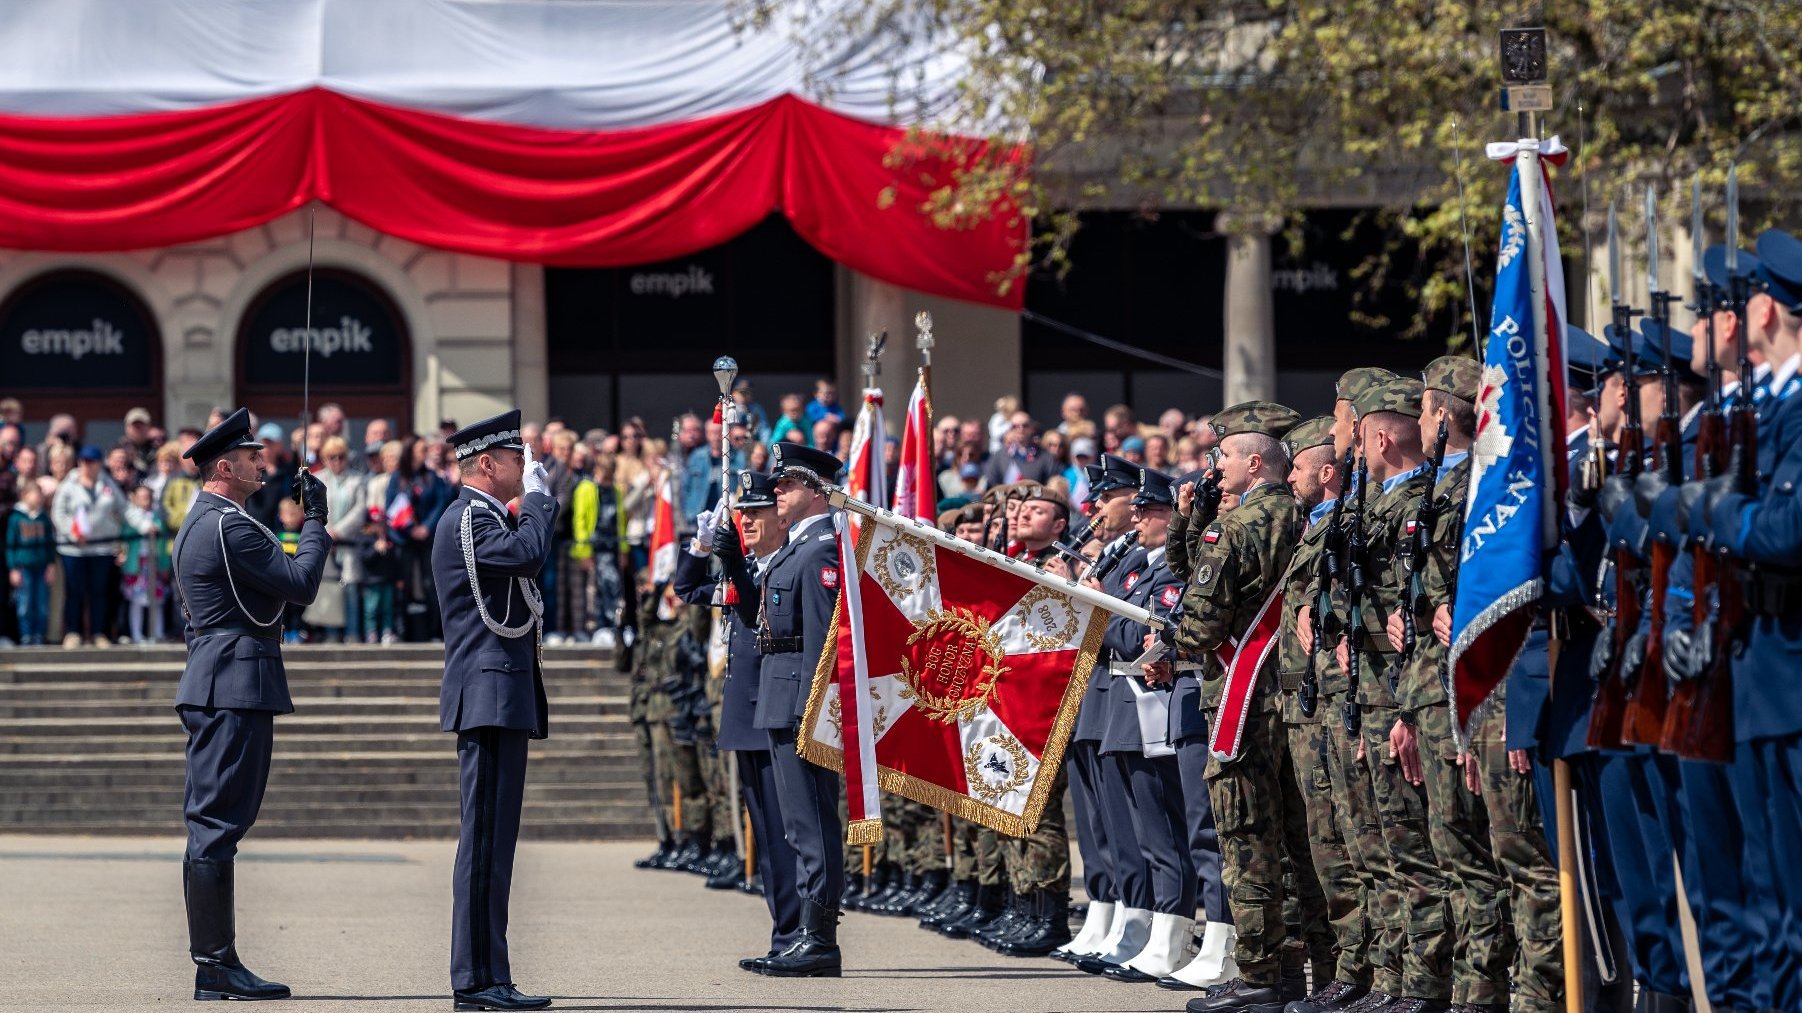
point(531, 372)
point(1250, 312)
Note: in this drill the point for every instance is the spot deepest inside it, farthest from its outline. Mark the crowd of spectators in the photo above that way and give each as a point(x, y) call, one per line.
point(89, 529)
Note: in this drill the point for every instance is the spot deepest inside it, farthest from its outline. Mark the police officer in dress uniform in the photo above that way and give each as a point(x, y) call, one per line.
point(1118, 930)
point(1758, 531)
point(799, 591)
point(1142, 703)
point(763, 536)
point(1081, 762)
point(234, 582)
point(484, 563)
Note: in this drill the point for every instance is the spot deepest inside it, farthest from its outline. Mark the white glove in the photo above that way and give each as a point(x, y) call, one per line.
point(704, 525)
point(536, 480)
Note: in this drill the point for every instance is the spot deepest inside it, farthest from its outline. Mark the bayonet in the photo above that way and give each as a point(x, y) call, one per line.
point(1614, 257)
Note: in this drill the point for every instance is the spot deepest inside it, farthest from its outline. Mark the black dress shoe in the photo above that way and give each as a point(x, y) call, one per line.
point(1239, 996)
point(755, 964)
point(815, 954)
point(1334, 995)
point(1093, 965)
point(502, 996)
point(1120, 972)
point(219, 981)
point(1175, 984)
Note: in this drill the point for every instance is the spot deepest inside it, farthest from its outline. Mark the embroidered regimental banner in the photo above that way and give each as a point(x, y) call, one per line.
point(975, 674)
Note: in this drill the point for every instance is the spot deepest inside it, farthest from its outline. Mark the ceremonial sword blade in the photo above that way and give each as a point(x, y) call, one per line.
point(1614, 256)
point(1696, 242)
point(1732, 220)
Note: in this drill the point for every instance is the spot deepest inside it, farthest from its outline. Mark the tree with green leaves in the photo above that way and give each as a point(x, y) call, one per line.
point(1270, 107)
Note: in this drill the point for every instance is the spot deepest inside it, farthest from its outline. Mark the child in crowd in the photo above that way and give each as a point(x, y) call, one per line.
point(144, 566)
point(381, 571)
point(31, 560)
point(793, 420)
point(291, 518)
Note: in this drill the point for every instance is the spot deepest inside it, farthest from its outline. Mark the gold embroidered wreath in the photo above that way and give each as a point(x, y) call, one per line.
point(946, 708)
point(991, 791)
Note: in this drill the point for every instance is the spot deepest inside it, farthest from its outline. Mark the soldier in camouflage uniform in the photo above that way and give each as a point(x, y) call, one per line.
point(1239, 564)
point(1354, 796)
point(1388, 423)
point(659, 649)
point(1458, 824)
point(1527, 881)
point(1314, 478)
point(722, 865)
point(640, 710)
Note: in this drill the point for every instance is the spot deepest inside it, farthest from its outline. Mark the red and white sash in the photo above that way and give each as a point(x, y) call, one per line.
point(1242, 658)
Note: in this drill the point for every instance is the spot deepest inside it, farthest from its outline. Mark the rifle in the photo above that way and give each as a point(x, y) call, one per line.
point(1649, 691)
point(1112, 555)
point(1699, 722)
point(1327, 572)
point(1414, 556)
point(1629, 460)
point(1353, 567)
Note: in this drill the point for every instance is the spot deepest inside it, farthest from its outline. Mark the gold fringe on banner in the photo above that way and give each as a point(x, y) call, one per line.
point(864, 831)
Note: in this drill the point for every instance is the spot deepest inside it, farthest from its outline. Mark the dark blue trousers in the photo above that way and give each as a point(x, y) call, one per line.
point(1084, 763)
point(1132, 873)
point(1198, 815)
point(1640, 849)
point(1163, 831)
point(807, 798)
point(228, 769)
point(1780, 772)
point(775, 859)
point(491, 766)
point(1731, 922)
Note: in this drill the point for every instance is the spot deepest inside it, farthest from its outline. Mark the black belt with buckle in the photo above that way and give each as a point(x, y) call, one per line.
point(778, 645)
point(240, 630)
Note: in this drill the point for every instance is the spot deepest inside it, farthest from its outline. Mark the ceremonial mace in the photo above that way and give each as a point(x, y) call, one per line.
point(725, 371)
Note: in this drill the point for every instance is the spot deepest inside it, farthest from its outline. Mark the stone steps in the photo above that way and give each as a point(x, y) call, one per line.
point(90, 743)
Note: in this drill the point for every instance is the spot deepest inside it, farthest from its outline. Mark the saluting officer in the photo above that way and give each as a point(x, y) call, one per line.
point(234, 582)
point(763, 535)
point(484, 563)
point(800, 590)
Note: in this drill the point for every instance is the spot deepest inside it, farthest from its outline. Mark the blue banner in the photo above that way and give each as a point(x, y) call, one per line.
point(1501, 555)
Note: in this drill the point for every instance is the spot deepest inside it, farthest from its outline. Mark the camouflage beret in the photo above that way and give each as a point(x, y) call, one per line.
point(971, 514)
point(947, 521)
point(1316, 432)
point(1264, 417)
point(1400, 395)
point(994, 494)
point(1356, 381)
point(1457, 375)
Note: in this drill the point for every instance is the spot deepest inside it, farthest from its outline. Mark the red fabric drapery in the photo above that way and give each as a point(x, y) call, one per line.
point(573, 198)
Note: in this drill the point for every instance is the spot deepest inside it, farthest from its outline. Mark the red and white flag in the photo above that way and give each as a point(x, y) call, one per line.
point(400, 512)
point(974, 674)
point(663, 529)
point(864, 480)
point(915, 493)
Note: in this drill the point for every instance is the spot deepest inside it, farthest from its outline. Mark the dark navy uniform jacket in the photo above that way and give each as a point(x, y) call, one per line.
point(1091, 717)
point(800, 591)
point(231, 670)
point(738, 704)
point(1157, 589)
point(1558, 721)
point(1767, 530)
point(491, 681)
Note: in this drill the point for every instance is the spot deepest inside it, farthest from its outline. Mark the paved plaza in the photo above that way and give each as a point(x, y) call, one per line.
point(96, 923)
